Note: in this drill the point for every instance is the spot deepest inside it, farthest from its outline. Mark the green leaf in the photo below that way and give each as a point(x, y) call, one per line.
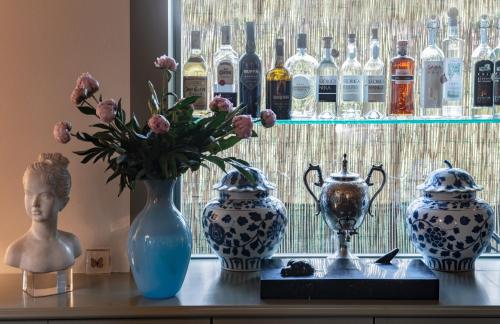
point(242, 169)
point(245, 163)
point(90, 156)
point(94, 149)
point(226, 143)
point(215, 160)
point(103, 126)
point(86, 110)
point(114, 175)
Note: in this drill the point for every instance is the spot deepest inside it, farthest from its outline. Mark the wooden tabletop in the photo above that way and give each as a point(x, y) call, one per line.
point(209, 291)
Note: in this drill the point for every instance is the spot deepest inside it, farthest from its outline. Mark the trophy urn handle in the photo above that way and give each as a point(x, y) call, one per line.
point(380, 169)
point(319, 184)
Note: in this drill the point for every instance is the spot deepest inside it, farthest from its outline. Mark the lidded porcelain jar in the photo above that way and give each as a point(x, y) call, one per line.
point(245, 224)
point(449, 225)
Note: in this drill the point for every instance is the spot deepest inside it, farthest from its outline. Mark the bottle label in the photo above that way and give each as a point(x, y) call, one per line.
point(278, 98)
point(351, 88)
point(250, 74)
point(454, 71)
point(496, 78)
point(431, 92)
point(231, 96)
point(483, 84)
point(374, 88)
point(327, 88)
point(402, 76)
point(301, 86)
point(225, 74)
point(196, 86)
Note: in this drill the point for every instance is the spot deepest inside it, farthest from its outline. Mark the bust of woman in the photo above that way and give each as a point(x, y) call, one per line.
point(44, 248)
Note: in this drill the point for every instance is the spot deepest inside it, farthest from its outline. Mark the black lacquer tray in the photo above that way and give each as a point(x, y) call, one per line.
point(351, 279)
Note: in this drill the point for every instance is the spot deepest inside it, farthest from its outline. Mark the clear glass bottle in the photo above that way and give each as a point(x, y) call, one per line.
point(374, 81)
point(402, 79)
point(226, 68)
point(327, 82)
point(195, 76)
point(279, 85)
point(431, 74)
point(351, 79)
point(481, 80)
point(496, 75)
point(303, 68)
point(250, 74)
point(453, 49)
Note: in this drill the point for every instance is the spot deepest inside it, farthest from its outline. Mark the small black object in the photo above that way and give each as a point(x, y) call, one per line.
point(297, 269)
point(387, 258)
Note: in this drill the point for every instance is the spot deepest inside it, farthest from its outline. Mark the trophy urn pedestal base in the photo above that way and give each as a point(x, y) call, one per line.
point(43, 284)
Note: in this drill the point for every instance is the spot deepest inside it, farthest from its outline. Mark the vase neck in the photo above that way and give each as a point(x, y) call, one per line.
point(160, 190)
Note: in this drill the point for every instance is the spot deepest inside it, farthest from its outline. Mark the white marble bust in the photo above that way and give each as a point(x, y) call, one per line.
point(44, 248)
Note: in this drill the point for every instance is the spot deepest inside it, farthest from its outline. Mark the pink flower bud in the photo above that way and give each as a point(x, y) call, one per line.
point(267, 118)
point(88, 83)
point(106, 110)
point(158, 124)
point(220, 104)
point(78, 96)
point(61, 132)
point(165, 62)
point(243, 126)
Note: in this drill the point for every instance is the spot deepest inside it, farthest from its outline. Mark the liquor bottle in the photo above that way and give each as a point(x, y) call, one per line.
point(327, 81)
point(402, 78)
point(374, 81)
point(226, 68)
point(195, 76)
point(481, 81)
point(496, 75)
point(351, 78)
point(453, 48)
point(303, 68)
point(431, 74)
point(250, 74)
point(279, 85)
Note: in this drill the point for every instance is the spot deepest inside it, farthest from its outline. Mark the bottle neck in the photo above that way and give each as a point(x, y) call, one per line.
point(327, 53)
point(302, 51)
point(452, 31)
point(195, 52)
point(351, 51)
point(279, 61)
point(375, 49)
point(432, 36)
point(250, 46)
point(402, 51)
point(483, 36)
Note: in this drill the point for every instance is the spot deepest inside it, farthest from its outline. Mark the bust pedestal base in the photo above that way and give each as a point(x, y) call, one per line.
point(38, 284)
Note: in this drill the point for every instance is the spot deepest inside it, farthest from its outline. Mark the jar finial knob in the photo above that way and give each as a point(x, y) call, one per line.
point(448, 164)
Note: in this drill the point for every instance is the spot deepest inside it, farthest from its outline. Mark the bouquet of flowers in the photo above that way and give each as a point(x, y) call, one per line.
point(172, 141)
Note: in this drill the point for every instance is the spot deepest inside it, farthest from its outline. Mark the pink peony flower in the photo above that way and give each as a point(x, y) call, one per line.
point(165, 62)
point(220, 104)
point(78, 96)
point(243, 126)
point(61, 132)
point(158, 124)
point(106, 110)
point(267, 118)
point(88, 83)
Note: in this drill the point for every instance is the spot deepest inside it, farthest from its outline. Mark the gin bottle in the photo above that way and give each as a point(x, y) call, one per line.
point(279, 85)
point(327, 82)
point(402, 78)
point(453, 48)
point(226, 68)
point(374, 81)
point(303, 68)
point(195, 76)
point(351, 75)
point(481, 81)
point(496, 75)
point(431, 74)
point(250, 74)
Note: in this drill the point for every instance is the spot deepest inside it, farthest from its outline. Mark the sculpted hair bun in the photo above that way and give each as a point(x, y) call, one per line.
point(56, 159)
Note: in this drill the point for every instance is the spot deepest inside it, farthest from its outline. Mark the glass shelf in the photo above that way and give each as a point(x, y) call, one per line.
point(391, 121)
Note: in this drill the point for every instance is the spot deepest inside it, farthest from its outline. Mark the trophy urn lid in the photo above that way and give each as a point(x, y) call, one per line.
point(344, 174)
point(235, 181)
point(449, 179)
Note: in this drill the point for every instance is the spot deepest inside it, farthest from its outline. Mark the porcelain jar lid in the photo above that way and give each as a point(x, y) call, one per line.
point(449, 179)
point(234, 181)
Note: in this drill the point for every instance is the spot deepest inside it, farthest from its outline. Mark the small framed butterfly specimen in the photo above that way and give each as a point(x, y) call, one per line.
point(98, 261)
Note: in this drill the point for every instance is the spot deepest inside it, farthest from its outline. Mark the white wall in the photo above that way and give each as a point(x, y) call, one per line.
point(44, 46)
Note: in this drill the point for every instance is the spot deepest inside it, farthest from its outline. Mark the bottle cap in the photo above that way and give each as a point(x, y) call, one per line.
point(351, 38)
point(250, 28)
point(302, 40)
point(226, 35)
point(402, 43)
point(375, 32)
point(280, 43)
point(433, 22)
point(327, 42)
point(484, 22)
point(453, 16)
point(195, 39)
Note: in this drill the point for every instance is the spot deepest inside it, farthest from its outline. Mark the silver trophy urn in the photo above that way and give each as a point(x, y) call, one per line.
point(344, 201)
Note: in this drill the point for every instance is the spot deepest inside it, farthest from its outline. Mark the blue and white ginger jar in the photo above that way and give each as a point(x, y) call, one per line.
point(245, 224)
point(449, 226)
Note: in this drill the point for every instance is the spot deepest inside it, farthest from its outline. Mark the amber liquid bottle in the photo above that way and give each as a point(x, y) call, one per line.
point(279, 85)
point(402, 81)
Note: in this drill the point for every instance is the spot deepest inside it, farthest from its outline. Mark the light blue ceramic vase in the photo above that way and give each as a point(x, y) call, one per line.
point(159, 243)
